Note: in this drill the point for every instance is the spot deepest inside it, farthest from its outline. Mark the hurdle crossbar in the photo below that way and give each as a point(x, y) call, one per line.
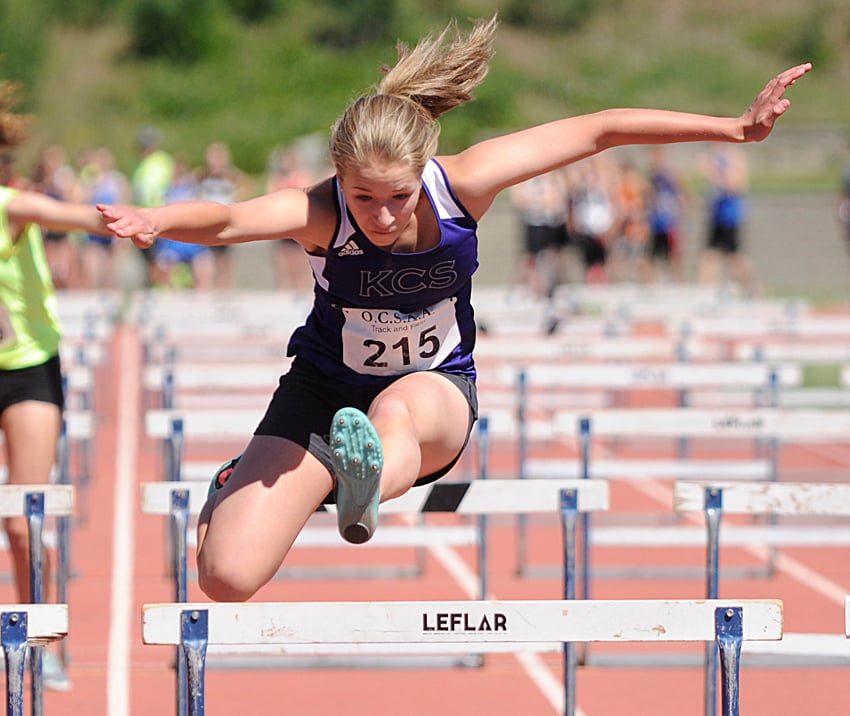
point(727, 623)
point(799, 425)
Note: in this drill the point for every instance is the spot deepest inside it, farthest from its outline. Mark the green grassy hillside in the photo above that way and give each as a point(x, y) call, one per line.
point(268, 83)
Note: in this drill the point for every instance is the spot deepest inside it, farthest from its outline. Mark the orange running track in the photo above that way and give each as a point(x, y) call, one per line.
point(119, 562)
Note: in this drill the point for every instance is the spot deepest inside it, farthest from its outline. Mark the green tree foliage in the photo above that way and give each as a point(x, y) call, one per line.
point(350, 24)
point(252, 11)
point(80, 12)
point(184, 31)
point(812, 42)
point(550, 15)
point(23, 43)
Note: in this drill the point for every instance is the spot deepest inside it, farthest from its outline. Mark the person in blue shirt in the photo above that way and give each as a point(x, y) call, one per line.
point(381, 393)
point(725, 167)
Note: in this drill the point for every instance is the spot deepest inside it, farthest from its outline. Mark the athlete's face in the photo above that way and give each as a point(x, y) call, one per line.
point(382, 196)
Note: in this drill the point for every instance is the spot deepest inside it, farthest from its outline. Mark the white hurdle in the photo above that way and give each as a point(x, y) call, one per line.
point(34, 502)
point(24, 626)
point(769, 424)
point(544, 385)
point(217, 382)
point(482, 624)
point(180, 500)
point(476, 497)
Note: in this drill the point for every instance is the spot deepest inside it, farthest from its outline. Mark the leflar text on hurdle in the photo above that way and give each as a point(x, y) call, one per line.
point(464, 622)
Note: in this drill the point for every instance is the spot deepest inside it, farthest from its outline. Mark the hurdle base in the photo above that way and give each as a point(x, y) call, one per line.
point(800, 650)
point(342, 572)
point(398, 571)
point(589, 659)
point(345, 662)
point(658, 572)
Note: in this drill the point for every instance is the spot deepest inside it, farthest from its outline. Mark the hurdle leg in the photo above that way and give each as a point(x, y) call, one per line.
point(522, 456)
point(194, 632)
point(569, 521)
point(35, 527)
point(174, 450)
point(729, 630)
point(179, 513)
point(484, 473)
point(713, 505)
point(773, 457)
point(584, 439)
point(179, 531)
point(13, 635)
point(63, 567)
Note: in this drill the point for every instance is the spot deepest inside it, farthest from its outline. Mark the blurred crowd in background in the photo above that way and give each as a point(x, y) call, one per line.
point(610, 218)
point(160, 177)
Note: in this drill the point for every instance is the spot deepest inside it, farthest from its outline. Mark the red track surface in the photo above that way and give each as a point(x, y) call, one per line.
point(103, 684)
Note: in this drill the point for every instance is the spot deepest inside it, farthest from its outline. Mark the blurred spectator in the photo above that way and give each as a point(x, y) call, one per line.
point(592, 214)
point(288, 170)
point(667, 200)
point(177, 264)
point(627, 258)
point(541, 206)
point(100, 182)
point(219, 180)
point(55, 177)
point(151, 178)
point(725, 167)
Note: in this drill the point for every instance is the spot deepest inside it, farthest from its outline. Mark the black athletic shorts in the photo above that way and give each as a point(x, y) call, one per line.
point(42, 382)
point(316, 398)
point(537, 239)
point(725, 239)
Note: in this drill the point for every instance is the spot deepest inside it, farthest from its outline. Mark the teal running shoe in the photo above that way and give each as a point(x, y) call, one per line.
point(357, 459)
point(221, 475)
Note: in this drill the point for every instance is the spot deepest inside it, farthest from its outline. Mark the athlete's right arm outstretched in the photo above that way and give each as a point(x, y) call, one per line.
point(288, 213)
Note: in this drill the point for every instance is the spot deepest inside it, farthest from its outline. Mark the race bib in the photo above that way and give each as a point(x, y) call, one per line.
point(8, 337)
point(379, 341)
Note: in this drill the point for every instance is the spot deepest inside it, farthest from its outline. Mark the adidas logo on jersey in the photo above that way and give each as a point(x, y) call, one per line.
point(351, 249)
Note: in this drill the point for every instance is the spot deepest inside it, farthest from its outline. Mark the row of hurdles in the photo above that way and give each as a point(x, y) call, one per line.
point(479, 625)
point(595, 463)
point(179, 424)
point(575, 498)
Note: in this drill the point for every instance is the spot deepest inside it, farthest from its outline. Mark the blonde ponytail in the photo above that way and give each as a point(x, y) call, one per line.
point(398, 121)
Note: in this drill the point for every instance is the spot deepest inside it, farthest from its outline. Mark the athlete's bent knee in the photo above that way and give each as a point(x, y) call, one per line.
point(226, 584)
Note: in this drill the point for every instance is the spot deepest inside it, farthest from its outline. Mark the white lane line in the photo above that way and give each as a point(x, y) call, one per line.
point(533, 665)
point(128, 364)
